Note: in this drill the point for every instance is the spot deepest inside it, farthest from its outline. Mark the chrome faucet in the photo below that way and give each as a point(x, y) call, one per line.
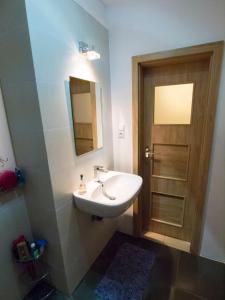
point(102, 169)
point(99, 169)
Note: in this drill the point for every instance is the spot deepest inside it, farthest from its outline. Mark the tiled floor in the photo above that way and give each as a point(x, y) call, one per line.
point(176, 275)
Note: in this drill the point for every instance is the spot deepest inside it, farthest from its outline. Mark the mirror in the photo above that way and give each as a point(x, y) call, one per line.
point(87, 115)
point(173, 104)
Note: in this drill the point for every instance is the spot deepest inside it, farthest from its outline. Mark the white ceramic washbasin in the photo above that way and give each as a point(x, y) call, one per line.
point(123, 187)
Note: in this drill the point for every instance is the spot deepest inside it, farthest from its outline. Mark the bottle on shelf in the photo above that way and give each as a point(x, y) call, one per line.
point(34, 250)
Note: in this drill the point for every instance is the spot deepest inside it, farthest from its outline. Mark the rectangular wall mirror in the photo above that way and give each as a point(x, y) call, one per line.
point(86, 100)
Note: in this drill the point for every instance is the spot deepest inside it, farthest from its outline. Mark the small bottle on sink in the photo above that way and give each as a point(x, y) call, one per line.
point(82, 187)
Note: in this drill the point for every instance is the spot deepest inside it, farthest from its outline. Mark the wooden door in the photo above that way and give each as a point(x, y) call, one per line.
point(173, 129)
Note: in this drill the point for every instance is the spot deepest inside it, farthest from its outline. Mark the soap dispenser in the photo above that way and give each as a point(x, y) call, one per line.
point(82, 187)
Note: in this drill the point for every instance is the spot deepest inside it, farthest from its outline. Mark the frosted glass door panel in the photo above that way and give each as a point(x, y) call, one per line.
point(173, 104)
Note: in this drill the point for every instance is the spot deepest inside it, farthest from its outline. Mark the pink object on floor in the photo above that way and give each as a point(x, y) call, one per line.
point(8, 180)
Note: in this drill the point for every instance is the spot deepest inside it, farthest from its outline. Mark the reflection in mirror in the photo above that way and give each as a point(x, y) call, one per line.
point(173, 104)
point(87, 115)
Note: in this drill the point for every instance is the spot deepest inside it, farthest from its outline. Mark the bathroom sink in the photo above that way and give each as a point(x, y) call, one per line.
point(111, 196)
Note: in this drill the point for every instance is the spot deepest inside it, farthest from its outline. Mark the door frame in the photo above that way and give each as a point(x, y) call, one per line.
point(213, 52)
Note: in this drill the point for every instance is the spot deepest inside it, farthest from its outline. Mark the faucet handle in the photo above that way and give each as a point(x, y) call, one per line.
point(100, 182)
point(98, 167)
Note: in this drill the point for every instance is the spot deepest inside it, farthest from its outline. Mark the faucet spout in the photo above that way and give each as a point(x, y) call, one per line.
point(104, 191)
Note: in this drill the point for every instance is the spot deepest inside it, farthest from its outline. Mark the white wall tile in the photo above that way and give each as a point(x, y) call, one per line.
point(15, 66)
point(12, 13)
point(54, 105)
point(24, 118)
point(54, 43)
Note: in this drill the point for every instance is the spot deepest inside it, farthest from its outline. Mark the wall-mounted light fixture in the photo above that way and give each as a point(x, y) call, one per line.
point(89, 52)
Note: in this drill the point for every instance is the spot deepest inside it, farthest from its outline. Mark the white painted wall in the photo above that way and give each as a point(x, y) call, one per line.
point(96, 8)
point(138, 27)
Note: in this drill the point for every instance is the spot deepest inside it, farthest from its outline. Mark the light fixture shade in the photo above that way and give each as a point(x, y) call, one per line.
point(93, 55)
point(90, 53)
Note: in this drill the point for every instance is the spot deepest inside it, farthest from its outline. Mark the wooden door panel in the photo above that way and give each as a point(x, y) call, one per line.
point(168, 187)
point(172, 172)
point(170, 161)
point(162, 134)
point(167, 209)
point(182, 233)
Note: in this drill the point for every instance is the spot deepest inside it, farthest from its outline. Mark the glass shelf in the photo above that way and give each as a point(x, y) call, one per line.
point(40, 292)
point(35, 272)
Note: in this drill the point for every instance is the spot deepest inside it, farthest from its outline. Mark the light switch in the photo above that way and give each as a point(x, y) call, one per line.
point(121, 131)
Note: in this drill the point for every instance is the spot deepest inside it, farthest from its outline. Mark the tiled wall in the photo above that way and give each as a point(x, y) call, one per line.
point(13, 221)
point(55, 28)
point(24, 119)
point(13, 213)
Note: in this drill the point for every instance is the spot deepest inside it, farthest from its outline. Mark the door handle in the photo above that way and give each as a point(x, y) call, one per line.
point(148, 152)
